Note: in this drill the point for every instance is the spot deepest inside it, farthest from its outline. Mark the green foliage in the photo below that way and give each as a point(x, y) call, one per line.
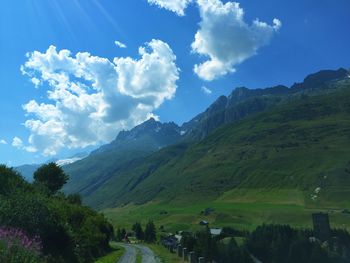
point(139, 234)
point(113, 256)
point(51, 176)
point(17, 253)
point(74, 199)
point(231, 252)
point(188, 241)
point(213, 249)
point(69, 232)
point(11, 181)
point(205, 245)
point(281, 243)
point(150, 232)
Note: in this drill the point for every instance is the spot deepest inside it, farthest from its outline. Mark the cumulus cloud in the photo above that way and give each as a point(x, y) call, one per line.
point(17, 142)
point(120, 44)
point(206, 90)
point(90, 98)
point(3, 142)
point(226, 39)
point(176, 6)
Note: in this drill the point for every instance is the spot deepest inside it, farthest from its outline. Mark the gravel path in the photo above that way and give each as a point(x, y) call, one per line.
point(147, 254)
point(131, 251)
point(129, 255)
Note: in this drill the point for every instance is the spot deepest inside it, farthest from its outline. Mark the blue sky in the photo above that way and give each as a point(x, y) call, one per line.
point(306, 36)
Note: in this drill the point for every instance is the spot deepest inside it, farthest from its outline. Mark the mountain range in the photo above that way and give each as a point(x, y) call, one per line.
point(262, 138)
point(290, 139)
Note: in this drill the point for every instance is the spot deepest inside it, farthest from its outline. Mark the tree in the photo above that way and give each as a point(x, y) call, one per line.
point(51, 176)
point(205, 244)
point(231, 252)
point(118, 235)
point(123, 233)
point(150, 232)
point(137, 228)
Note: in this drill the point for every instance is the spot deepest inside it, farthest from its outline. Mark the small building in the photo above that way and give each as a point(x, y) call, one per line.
point(215, 231)
point(321, 226)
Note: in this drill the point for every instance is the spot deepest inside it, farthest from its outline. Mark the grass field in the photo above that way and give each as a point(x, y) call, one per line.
point(112, 257)
point(242, 209)
point(164, 254)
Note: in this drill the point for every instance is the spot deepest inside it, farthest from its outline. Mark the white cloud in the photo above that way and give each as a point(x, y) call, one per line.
point(226, 39)
point(206, 90)
point(3, 142)
point(17, 142)
point(120, 44)
point(176, 6)
point(91, 98)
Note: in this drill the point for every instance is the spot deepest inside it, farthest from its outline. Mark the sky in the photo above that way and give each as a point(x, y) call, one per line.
point(73, 73)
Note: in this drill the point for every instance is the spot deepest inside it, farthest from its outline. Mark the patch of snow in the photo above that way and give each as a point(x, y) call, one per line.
point(68, 161)
point(182, 132)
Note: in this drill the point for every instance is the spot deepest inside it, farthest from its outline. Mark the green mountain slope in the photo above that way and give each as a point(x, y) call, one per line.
point(114, 159)
point(91, 172)
point(243, 102)
point(302, 144)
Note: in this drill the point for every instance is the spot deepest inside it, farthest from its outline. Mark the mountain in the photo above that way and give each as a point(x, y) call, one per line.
point(91, 172)
point(301, 145)
point(266, 138)
point(243, 102)
point(150, 135)
point(27, 171)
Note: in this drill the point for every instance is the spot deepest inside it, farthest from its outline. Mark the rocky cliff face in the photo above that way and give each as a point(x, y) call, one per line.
point(243, 102)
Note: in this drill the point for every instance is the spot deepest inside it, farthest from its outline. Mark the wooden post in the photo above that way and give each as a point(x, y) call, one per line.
point(179, 251)
point(184, 254)
point(191, 257)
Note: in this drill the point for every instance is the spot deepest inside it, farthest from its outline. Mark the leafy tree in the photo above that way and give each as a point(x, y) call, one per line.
point(137, 228)
point(74, 199)
point(150, 232)
point(51, 176)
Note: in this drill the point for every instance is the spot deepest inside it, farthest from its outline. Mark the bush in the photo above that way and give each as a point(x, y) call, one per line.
point(69, 232)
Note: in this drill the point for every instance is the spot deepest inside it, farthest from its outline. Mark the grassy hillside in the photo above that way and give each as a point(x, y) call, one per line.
point(275, 167)
point(302, 145)
point(91, 172)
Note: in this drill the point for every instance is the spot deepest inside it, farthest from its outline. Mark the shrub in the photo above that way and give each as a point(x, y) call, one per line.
point(16, 246)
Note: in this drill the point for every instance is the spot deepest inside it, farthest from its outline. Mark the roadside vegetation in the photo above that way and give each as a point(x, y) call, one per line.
point(40, 224)
point(112, 257)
